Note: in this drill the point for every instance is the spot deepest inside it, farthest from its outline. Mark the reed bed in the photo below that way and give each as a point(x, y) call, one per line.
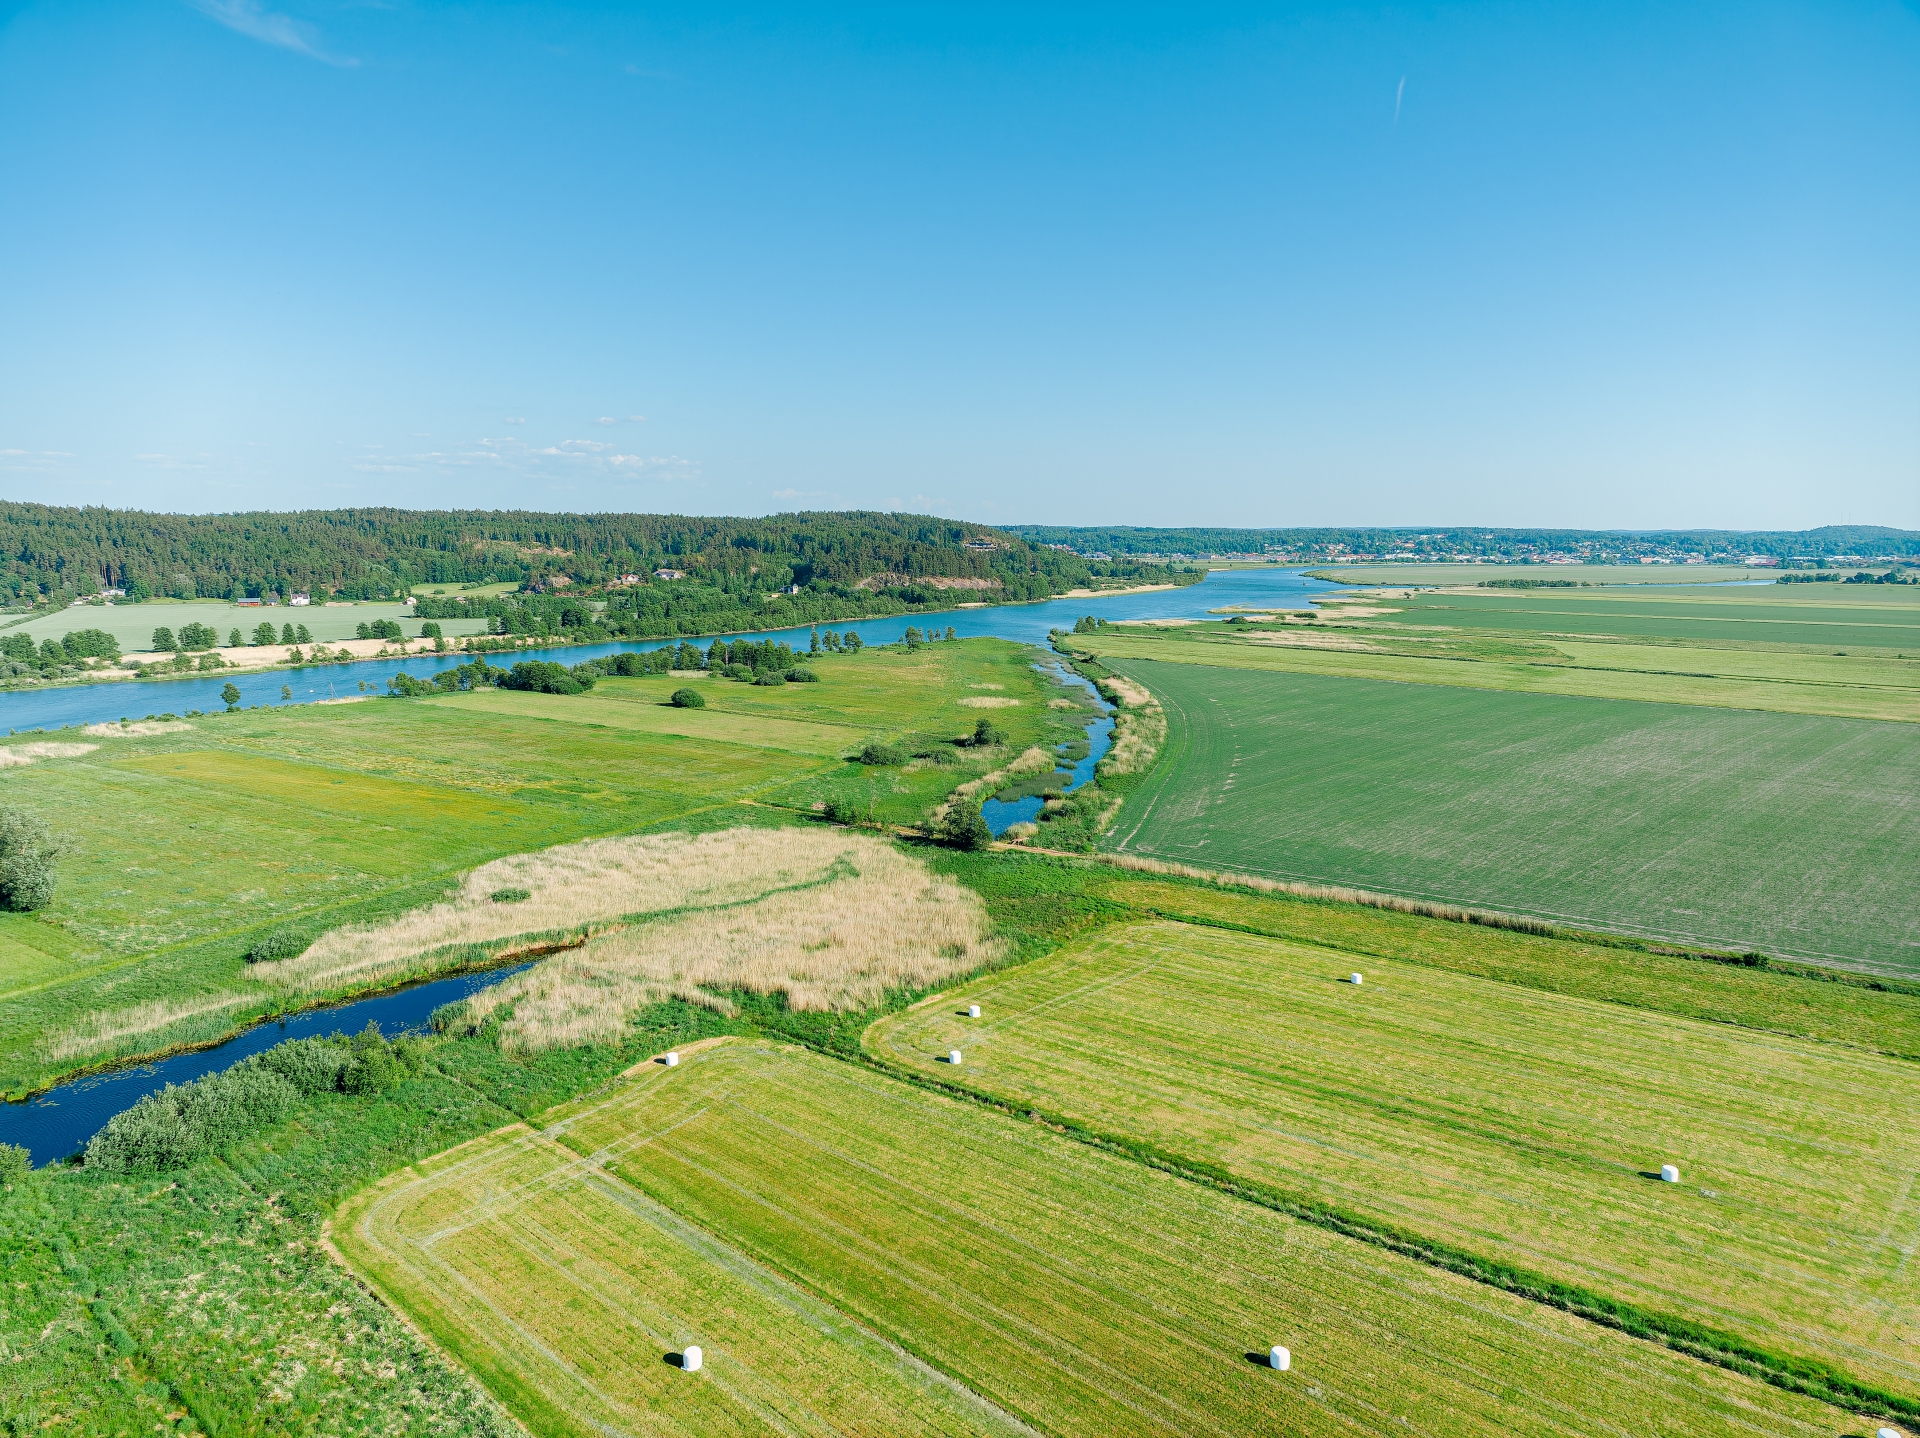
point(18, 756)
point(140, 729)
point(1139, 728)
point(566, 889)
point(881, 922)
point(152, 1024)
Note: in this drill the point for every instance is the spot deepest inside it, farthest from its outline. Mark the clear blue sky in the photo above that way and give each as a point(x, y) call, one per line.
point(1603, 265)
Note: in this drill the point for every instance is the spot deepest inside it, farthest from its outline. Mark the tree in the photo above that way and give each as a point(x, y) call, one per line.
point(430, 630)
point(263, 633)
point(234, 641)
point(986, 734)
point(301, 635)
point(687, 699)
point(286, 691)
point(29, 853)
point(163, 640)
point(229, 695)
point(853, 642)
point(361, 631)
point(950, 633)
point(911, 638)
point(966, 828)
point(813, 641)
point(286, 634)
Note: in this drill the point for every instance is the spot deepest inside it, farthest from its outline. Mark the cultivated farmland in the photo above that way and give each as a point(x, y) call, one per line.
point(723, 1202)
point(1792, 834)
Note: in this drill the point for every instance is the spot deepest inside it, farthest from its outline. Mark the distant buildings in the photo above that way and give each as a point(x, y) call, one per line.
point(669, 574)
point(300, 599)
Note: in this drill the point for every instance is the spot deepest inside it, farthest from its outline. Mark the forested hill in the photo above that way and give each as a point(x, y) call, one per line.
point(1837, 541)
point(378, 553)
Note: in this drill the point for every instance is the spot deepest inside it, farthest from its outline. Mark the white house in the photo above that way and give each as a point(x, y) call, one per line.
point(300, 599)
point(669, 574)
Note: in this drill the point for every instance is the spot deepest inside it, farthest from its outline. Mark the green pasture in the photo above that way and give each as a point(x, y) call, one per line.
point(1873, 684)
point(1827, 616)
point(1071, 1289)
point(191, 845)
point(133, 624)
point(1472, 574)
point(1520, 1126)
point(1792, 834)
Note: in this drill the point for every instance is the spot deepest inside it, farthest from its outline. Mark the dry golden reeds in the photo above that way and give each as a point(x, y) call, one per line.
point(881, 921)
point(18, 756)
point(101, 1032)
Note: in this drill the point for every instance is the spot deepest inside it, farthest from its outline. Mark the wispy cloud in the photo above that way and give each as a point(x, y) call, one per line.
point(636, 419)
point(33, 461)
point(256, 22)
point(571, 458)
point(1399, 94)
point(606, 419)
point(515, 419)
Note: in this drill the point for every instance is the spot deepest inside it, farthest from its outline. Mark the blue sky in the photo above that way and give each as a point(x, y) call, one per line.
point(1614, 266)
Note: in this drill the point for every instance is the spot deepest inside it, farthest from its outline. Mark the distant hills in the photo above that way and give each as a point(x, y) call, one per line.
point(1592, 546)
point(61, 553)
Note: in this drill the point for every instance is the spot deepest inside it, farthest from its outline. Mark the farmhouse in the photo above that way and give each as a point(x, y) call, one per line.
point(669, 574)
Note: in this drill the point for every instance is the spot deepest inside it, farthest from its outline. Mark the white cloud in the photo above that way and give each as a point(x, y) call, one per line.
point(254, 20)
point(512, 419)
point(636, 419)
point(606, 419)
point(571, 458)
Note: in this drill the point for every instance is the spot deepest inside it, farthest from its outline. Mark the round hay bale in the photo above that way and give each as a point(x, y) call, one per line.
point(692, 1359)
point(953, 1056)
point(671, 1060)
point(1669, 1174)
point(973, 1011)
point(1279, 1359)
point(1354, 979)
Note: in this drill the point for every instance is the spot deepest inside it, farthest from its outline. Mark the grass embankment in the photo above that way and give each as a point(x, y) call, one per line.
point(194, 844)
point(1070, 1288)
point(1523, 1128)
point(1791, 834)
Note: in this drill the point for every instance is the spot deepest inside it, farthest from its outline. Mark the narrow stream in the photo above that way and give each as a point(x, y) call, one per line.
point(1067, 775)
point(61, 1120)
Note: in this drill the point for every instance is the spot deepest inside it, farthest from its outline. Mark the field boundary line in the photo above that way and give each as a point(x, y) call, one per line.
point(1812, 1378)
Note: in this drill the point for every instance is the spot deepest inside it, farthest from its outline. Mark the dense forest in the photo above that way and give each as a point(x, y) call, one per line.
point(1511, 545)
point(849, 558)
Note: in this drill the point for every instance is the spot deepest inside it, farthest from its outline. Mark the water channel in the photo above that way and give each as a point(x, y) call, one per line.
point(60, 1121)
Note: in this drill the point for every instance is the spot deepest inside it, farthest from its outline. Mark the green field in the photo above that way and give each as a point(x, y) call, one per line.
point(191, 844)
point(1794, 835)
point(133, 624)
point(1455, 574)
point(1074, 1290)
point(1516, 1125)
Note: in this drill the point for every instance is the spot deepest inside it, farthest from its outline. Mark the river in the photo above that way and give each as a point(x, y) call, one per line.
point(60, 1121)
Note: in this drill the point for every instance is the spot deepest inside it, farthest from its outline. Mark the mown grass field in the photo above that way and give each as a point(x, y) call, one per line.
point(1790, 834)
point(191, 844)
point(1073, 1289)
point(1517, 1125)
point(1470, 574)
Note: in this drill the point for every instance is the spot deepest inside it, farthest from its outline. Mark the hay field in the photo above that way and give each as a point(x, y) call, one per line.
point(1073, 1290)
point(133, 624)
point(1520, 1126)
point(1794, 835)
point(565, 1291)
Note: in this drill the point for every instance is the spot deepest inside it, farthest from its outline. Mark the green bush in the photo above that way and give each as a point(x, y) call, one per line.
point(15, 1163)
point(878, 751)
point(687, 699)
point(29, 855)
point(986, 734)
point(802, 675)
point(187, 1122)
point(736, 671)
point(843, 810)
point(510, 896)
point(540, 677)
point(769, 679)
point(965, 828)
point(281, 943)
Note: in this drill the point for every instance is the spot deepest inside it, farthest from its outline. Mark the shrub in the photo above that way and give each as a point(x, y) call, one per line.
point(769, 679)
point(163, 639)
point(843, 811)
point(281, 943)
point(986, 734)
point(736, 671)
point(965, 828)
point(510, 896)
point(687, 699)
point(229, 695)
point(540, 677)
point(802, 675)
point(29, 856)
point(430, 631)
point(263, 633)
point(878, 751)
point(15, 1163)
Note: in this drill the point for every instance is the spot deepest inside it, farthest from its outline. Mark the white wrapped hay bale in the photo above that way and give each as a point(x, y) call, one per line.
point(1669, 1174)
point(1354, 979)
point(692, 1359)
point(973, 1011)
point(1279, 1359)
point(671, 1060)
point(1887, 1433)
point(953, 1056)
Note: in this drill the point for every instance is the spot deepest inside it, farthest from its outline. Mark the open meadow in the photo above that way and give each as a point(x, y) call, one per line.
point(1523, 1127)
point(192, 844)
point(810, 1225)
point(133, 624)
point(1794, 835)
